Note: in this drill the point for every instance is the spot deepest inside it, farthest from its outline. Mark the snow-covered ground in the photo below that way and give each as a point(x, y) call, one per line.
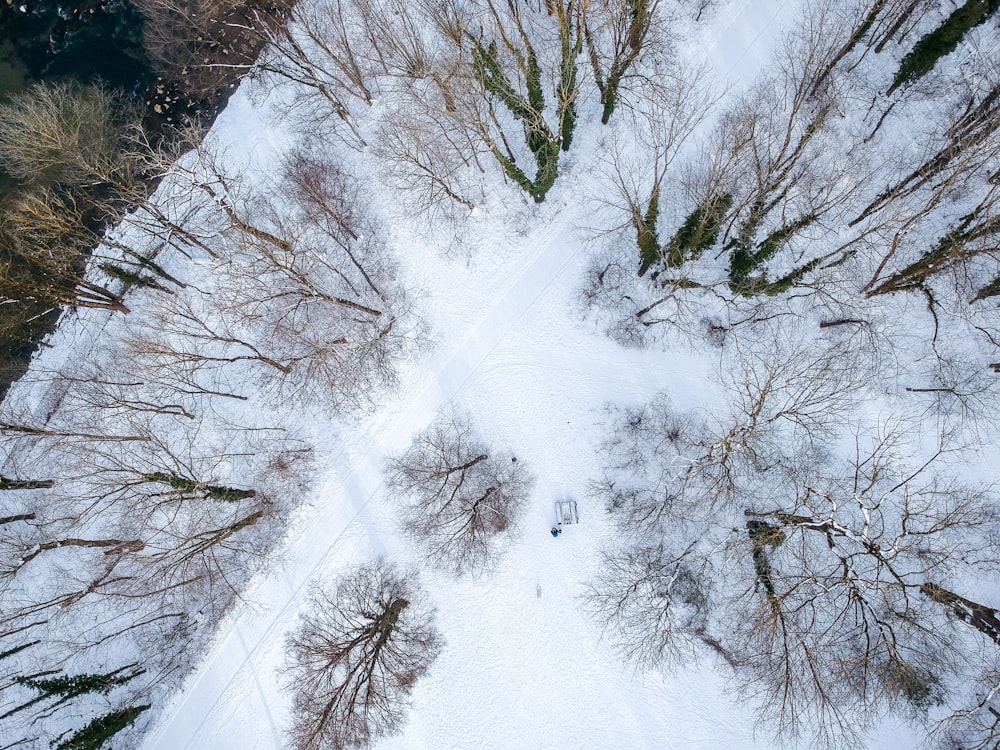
point(523, 662)
point(508, 342)
point(524, 665)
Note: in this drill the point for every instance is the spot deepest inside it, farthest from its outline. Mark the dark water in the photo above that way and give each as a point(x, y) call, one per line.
point(87, 41)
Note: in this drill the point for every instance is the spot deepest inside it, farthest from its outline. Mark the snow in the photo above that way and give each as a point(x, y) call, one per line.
point(524, 664)
point(517, 665)
point(740, 41)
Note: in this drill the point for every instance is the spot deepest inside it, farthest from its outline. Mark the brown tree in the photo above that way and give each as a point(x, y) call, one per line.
point(363, 642)
point(207, 44)
point(458, 498)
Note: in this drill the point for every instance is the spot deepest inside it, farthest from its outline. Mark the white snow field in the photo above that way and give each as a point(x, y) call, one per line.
point(504, 336)
point(524, 665)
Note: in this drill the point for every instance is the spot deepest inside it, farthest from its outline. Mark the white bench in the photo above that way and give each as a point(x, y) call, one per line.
point(566, 512)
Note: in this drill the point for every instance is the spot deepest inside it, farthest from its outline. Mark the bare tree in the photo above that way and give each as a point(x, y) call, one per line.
point(425, 160)
point(654, 603)
point(966, 249)
point(430, 143)
point(325, 297)
point(323, 49)
point(699, 7)
point(341, 54)
point(302, 291)
point(206, 44)
point(727, 235)
point(366, 638)
point(842, 580)
point(779, 186)
point(975, 726)
point(824, 584)
point(618, 33)
point(171, 532)
point(663, 465)
point(763, 193)
point(458, 498)
point(150, 512)
point(648, 453)
point(183, 335)
point(135, 549)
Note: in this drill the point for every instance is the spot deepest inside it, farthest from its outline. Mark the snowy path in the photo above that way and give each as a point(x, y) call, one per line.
point(228, 702)
point(501, 366)
point(235, 655)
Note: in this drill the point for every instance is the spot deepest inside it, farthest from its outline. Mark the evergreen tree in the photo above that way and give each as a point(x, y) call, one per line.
point(213, 491)
point(942, 41)
point(67, 687)
point(543, 141)
point(100, 730)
